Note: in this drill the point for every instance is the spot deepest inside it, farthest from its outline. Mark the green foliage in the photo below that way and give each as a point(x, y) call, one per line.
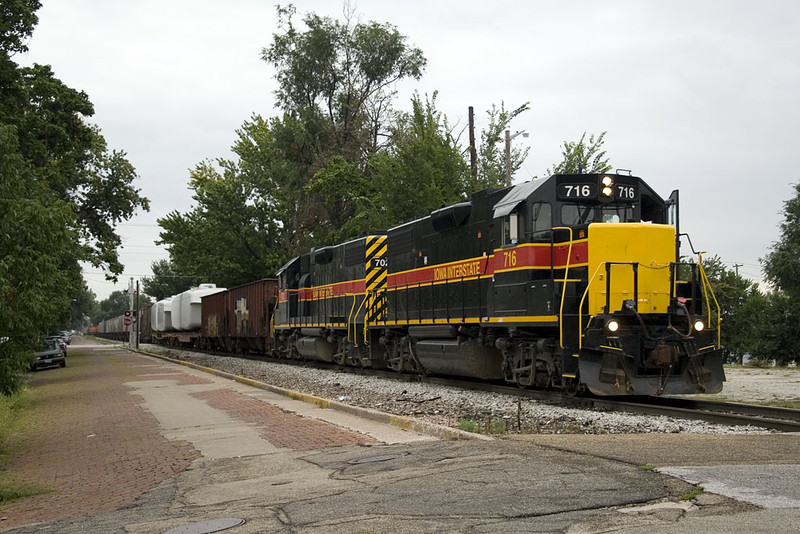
point(468, 425)
point(17, 19)
point(235, 234)
point(11, 407)
point(692, 494)
point(61, 195)
point(83, 307)
point(63, 149)
point(115, 305)
point(491, 153)
point(341, 71)
point(37, 261)
point(583, 157)
point(741, 304)
point(420, 170)
point(11, 490)
point(782, 264)
point(337, 163)
point(336, 82)
point(423, 169)
point(12, 410)
point(779, 316)
point(779, 329)
point(166, 281)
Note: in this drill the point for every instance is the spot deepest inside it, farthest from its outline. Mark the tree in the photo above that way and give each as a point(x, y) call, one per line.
point(167, 281)
point(38, 271)
point(64, 150)
point(17, 19)
point(342, 72)
point(781, 267)
point(115, 305)
point(491, 153)
point(583, 157)
point(741, 308)
point(423, 168)
point(245, 218)
point(782, 264)
point(82, 308)
point(336, 163)
point(336, 85)
point(62, 193)
point(420, 170)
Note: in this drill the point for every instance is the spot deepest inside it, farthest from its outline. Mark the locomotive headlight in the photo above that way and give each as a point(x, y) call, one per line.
point(612, 326)
point(607, 182)
point(699, 326)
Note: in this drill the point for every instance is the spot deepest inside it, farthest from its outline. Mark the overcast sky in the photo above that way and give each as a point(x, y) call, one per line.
point(700, 96)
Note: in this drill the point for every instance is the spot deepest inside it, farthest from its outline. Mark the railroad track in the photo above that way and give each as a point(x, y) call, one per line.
point(725, 413)
point(733, 414)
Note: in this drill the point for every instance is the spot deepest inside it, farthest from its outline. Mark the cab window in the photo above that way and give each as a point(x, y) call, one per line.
point(511, 229)
point(615, 213)
point(576, 214)
point(541, 218)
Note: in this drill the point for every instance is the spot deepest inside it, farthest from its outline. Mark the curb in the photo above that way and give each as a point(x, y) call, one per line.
point(398, 421)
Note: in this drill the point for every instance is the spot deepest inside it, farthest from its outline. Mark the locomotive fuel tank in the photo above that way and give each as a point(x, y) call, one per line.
point(452, 357)
point(441, 353)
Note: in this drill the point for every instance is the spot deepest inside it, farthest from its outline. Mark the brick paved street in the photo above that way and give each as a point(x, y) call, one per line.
point(93, 443)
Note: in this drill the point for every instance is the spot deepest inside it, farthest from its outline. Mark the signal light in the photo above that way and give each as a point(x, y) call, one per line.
point(127, 313)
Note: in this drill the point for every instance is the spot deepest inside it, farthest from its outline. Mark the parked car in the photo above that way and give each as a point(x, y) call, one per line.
point(65, 335)
point(50, 354)
point(61, 343)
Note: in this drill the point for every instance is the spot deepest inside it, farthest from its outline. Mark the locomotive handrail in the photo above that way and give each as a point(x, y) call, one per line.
point(706, 288)
point(350, 320)
point(580, 306)
point(367, 294)
point(563, 282)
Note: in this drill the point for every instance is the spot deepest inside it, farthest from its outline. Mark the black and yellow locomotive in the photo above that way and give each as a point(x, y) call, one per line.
point(571, 282)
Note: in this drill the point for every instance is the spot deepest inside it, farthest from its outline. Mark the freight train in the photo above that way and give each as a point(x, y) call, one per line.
point(573, 282)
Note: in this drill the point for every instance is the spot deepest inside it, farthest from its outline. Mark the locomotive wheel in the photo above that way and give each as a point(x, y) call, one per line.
point(572, 387)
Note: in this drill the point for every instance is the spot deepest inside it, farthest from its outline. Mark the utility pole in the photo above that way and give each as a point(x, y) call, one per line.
point(509, 137)
point(136, 319)
point(736, 267)
point(132, 332)
point(473, 153)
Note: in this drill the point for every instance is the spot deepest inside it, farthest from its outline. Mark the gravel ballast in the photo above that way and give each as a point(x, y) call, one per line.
point(453, 407)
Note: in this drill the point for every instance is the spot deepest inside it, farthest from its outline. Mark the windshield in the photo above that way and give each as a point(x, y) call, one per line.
point(581, 214)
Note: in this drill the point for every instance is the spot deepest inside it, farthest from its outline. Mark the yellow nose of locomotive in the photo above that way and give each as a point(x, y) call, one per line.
point(630, 262)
